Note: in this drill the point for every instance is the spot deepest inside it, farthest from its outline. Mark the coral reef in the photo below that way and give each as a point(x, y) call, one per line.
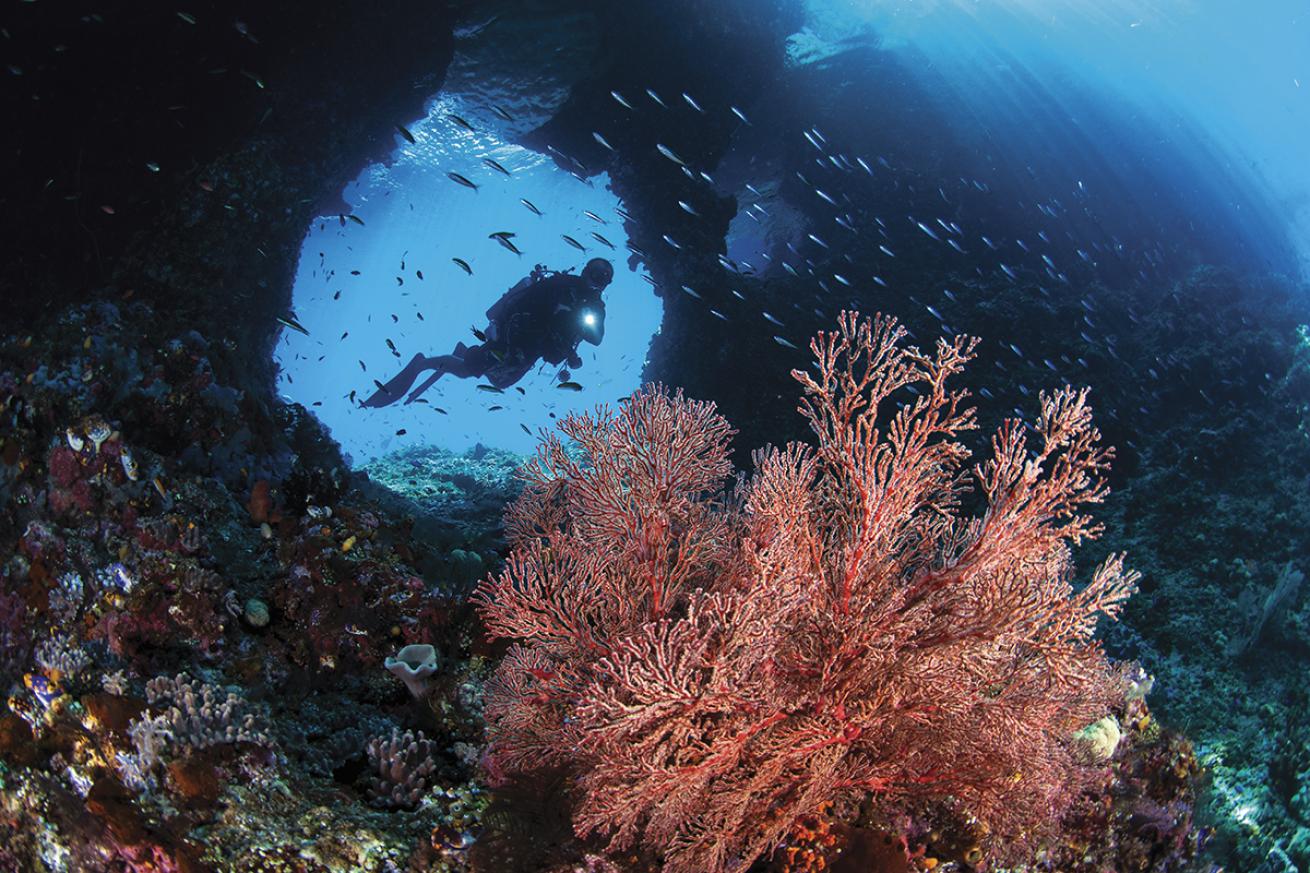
point(162, 512)
point(195, 606)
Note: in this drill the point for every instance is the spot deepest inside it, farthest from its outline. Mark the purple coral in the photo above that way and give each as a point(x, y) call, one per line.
point(61, 656)
point(200, 716)
point(401, 769)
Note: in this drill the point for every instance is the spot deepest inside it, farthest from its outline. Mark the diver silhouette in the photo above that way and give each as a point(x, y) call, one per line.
point(544, 317)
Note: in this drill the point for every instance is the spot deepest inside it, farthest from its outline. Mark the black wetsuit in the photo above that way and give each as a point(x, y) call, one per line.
point(541, 320)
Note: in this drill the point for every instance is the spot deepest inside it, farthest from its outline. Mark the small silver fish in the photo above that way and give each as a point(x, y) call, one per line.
point(737, 112)
point(532, 207)
point(670, 154)
point(652, 95)
point(619, 98)
point(290, 321)
point(600, 139)
point(692, 103)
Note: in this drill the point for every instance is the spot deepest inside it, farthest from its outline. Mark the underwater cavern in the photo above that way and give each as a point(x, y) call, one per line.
point(767, 436)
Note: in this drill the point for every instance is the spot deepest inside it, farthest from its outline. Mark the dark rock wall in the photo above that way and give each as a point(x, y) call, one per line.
point(256, 115)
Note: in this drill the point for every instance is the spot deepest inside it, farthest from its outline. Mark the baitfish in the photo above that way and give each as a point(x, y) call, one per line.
point(290, 321)
point(670, 154)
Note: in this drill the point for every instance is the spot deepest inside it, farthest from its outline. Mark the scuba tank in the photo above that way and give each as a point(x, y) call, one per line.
point(511, 298)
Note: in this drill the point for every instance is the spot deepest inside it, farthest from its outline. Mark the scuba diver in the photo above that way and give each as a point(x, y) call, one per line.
point(543, 317)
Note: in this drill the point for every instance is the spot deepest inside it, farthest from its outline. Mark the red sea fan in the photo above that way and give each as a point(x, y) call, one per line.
point(710, 667)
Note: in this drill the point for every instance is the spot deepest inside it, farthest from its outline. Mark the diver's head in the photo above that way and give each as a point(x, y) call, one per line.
point(598, 273)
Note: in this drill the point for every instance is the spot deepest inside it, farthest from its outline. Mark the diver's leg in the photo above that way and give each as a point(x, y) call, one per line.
point(399, 384)
point(471, 363)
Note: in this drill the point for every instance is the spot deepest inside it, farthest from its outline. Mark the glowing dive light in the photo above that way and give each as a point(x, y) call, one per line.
point(589, 318)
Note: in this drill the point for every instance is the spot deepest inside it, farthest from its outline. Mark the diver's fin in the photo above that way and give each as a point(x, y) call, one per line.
point(399, 384)
point(437, 373)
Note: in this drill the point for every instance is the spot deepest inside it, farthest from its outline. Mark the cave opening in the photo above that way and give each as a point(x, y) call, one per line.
point(410, 264)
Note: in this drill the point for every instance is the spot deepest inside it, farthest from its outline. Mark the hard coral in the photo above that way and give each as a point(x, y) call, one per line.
point(401, 769)
point(189, 715)
point(711, 668)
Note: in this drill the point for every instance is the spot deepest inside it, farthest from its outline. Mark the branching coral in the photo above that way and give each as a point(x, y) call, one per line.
point(195, 715)
point(200, 716)
point(401, 769)
point(711, 667)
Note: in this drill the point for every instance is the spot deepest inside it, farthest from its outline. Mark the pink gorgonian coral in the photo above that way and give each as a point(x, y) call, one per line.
point(708, 664)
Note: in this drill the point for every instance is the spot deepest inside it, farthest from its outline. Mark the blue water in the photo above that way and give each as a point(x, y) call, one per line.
point(1219, 89)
